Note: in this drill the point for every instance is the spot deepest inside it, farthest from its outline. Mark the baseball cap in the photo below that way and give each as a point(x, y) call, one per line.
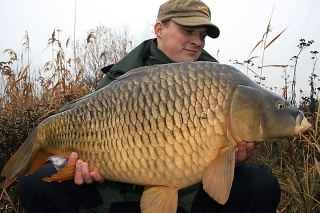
point(189, 13)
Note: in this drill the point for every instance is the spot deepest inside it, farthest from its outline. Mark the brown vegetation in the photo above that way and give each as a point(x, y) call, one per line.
point(29, 96)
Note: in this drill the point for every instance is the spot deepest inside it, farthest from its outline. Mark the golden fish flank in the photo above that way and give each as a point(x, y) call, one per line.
point(167, 127)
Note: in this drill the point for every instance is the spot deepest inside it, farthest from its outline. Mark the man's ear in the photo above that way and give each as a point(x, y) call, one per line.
point(158, 29)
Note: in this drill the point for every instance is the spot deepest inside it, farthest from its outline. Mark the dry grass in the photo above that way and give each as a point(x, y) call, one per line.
point(28, 96)
point(294, 162)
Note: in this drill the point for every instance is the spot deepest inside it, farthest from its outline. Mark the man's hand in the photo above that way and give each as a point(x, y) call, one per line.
point(82, 173)
point(244, 151)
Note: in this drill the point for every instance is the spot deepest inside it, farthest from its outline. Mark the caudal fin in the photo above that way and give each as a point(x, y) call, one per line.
point(28, 158)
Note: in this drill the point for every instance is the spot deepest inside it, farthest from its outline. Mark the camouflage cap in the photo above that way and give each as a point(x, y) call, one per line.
point(189, 13)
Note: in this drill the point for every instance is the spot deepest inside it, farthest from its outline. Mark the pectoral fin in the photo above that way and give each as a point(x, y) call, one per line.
point(218, 176)
point(66, 173)
point(159, 199)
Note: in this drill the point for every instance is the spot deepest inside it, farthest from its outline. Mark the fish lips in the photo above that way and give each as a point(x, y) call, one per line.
point(302, 124)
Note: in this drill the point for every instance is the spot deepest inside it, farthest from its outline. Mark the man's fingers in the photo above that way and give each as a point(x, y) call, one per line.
point(82, 173)
point(78, 179)
point(73, 157)
point(97, 177)
point(257, 145)
point(86, 173)
point(250, 149)
point(242, 153)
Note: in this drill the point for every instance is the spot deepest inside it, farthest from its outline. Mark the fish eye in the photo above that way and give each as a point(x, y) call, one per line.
point(281, 105)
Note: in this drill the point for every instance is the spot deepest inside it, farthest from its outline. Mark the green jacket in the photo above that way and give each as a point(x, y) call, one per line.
point(112, 192)
point(145, 54)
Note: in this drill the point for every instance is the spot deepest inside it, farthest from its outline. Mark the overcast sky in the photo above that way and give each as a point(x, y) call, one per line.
point(241, 22)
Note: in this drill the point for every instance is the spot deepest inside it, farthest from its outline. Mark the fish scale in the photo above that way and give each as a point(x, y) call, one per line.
point(167, 127)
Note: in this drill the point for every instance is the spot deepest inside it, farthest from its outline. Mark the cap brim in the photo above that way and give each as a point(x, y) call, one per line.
point(213, 30)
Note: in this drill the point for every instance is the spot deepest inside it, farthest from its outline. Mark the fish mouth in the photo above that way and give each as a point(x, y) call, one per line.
point(302, 124)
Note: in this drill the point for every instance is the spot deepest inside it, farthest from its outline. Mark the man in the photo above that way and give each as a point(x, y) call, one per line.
point(181, 29)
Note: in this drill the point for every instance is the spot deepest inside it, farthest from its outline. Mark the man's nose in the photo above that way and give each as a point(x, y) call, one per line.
point(196, 40)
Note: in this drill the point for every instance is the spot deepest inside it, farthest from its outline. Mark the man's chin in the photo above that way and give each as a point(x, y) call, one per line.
point(189, 58)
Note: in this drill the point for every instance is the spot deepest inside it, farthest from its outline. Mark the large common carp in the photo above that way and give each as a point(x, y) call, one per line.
point(166, 127)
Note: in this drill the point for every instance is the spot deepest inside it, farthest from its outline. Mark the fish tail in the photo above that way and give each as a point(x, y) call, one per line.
point(27, 159)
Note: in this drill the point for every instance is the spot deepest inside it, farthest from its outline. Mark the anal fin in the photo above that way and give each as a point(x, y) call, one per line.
point(66, 173)
point(218, 176)
point(40, 159)
point(158, 199)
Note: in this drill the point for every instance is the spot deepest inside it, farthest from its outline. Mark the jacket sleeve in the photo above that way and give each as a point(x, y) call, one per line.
point(109, 76)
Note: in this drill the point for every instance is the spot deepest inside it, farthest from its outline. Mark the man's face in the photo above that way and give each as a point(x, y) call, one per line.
point(180, 43)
